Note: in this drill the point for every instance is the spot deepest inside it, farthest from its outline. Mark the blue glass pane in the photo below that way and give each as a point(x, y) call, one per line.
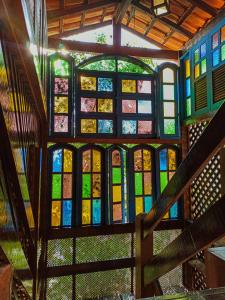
point(144, 107)
point(148, 203)
point(129, 127)
point(105, 85)
point(174, 211)
point(203, 50)
point(105, 126)
point(67, 213)
point(163, 160)
point(96, 211)
point(216, 57)
point(188, 87)
point(57, 160)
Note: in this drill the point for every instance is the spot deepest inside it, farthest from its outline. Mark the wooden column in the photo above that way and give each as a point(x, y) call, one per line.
point(6, 276)
point(215, 266)
point(116, 34)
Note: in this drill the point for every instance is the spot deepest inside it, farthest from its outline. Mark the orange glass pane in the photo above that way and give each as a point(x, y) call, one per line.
point(172, 159)
point(117, 193)
point(139, 205)
point(187, 68)
point(86, 161)
point(86, 211)
point(96, 185)
point(222, 34)
point(166, 216)
point(116, 161)
point(56, 213)
point(88, 83)
point(171, 175)
point(147, 160)
point(67, 166)
point(138, 160)
point(129, 86)
point(67, 186)
point(147, 184)
point(117, 212)
point(96, 161)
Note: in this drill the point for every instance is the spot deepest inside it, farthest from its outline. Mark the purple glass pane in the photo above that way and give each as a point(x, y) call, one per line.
point(144, 86)
point(129, 106)
point(144, 127)
point(61, 86)
point(60, 123)
point(88, 104)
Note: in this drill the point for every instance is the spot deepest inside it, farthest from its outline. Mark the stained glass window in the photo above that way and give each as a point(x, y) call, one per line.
point(129, 106)
point(197, 71)
point(223, 52)
point(88, 83)
point(218, 47)
point(105, 85)
point(61, 67)
point(168, 165)
point(187, 68)
point(88, 126)
point(215, 40)
point(197, 56)
point(129, 126)
point(62, 187)
point(188, 87)
point(91, 187)
point(143, 180)
point(128, 86)
point(222, 34)
point(144, 86)
point(216, 57)
point(88, 104)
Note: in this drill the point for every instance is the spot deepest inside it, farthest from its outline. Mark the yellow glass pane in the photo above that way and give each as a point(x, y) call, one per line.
point(60, 104)
point(88, 83)
point(147, 160)
point(166, 216)
point(172, 159)
point(138, 205)
point(129, 86)
point(96, 185)
point(147, 183)
point(86, 211)
point(67, 166)
point(117, 194)
point(197, 71)
point(105, 105)
point(138, 160)
point(86, 161)
point(56, 213)
point(88, 126)
point(96, 162)
point(188, 68)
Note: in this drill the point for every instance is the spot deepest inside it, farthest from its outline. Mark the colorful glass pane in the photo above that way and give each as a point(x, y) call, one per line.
point(96, 161)
point(67, 213)
point(197, 71)
point(138, 183)
point(144, 127)
point(144, 107)
point(67, 166)
point(197, 56)
point(86, 212)
point(86, 161)
point(215, 40)
point(129, 106)
point(223, 52)
point(56, 186)
point(86, 185)
point(163, 181)
point(168, 75)
point(88, 126)
point(117, 193)
point(169, 109)
point(96, 211)
point(203, 66)
point(105, 85)
point(67, 186)
point(138, 160)
point(144, 86)
point(56, 213)
point(129, 127)
point(163, 160)
point(174, 211)
point(116, 160)
point(128, 86)
point(147, 183)
point(88, 83)
point(222, 34)
point(60, 123)
point(216, 57)
point(187, 68)
point(61, 67)
point(117, 212)
point(88, 104)
point(168, 92)
point(172, 159)
point(116, 175)
point(171, 175)
point(148, 203)
point(57, 160)
point(60, 104)
point(203, 50)
point(169, 126)
point(188, 87)
point(105, 126)
point(96, 185)
point(61, 86)
point(147, 162)
point(105, 105)
point(139, 205)
point(188, 107)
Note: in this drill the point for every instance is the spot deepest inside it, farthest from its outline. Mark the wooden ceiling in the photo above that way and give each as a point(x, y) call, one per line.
point(67, 17)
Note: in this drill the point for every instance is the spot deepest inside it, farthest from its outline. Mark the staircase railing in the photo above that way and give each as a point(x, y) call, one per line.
point(210, 227)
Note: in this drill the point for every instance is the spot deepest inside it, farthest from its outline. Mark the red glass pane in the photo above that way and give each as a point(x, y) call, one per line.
point(60, 123)
point(144, 127)
point(88, 104)
point(86, 161)
point(138, 160)
point(129, 106)
point(67, 186)
point(116, 161)
point(117, 212)
point(144, 86)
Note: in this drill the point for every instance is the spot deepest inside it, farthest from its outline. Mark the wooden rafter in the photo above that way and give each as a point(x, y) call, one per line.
point(123, 7)
point(72, 11)
point(131, 15)
point(150, 25)
point(204, 6)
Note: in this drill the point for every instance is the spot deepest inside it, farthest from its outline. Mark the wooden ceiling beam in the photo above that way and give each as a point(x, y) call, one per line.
point(121, 11)
point(112, 50)
point(72, 11)
point(164, 20)
point(131, 15)
point(204, 6)
point(150, 25)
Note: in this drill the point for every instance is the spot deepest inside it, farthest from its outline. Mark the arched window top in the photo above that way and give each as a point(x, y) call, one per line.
point(168, 75)
point(61, 65)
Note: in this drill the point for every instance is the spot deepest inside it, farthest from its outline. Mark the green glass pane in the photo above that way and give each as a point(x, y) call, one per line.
point(61, 67)
point(223, 52)
point(56, 186)
point(188, 107)
point(197, 55)
point(86, 185)
point(116, 175)
point(203, 66)
point(163, 180)
point(138, 184)
point(169, 126)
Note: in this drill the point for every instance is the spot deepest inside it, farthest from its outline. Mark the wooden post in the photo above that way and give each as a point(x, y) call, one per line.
point(6, 276)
